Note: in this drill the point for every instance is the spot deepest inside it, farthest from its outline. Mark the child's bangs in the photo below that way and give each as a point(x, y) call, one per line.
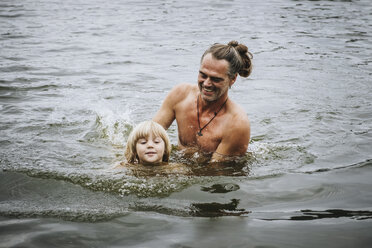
point(145, 132)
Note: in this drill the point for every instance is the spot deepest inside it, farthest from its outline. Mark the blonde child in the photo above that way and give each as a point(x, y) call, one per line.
point(148, 144)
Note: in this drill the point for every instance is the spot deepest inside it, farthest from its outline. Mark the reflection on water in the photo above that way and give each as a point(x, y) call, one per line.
point(215, 209)
point(333, 213)
point(221, 188)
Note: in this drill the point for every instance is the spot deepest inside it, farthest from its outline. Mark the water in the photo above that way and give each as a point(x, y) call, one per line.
point(76, 76)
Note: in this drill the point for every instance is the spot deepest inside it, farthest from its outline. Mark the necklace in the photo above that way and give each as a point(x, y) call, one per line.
point(215, 114)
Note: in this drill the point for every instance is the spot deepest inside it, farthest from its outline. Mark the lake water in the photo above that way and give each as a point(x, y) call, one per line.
point(76, 76)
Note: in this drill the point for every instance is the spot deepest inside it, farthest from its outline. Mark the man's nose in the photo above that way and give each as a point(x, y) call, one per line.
point(207, 82)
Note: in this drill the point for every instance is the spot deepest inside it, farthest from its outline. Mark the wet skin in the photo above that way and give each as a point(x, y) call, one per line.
point(228, 134)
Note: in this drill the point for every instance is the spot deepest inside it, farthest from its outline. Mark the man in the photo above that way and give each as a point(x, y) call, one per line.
point(207, 118)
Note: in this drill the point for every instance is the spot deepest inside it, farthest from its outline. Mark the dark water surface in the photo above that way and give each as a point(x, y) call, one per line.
point(76, 76)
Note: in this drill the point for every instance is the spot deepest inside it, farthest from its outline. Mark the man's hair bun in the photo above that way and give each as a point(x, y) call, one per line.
point(238, 56)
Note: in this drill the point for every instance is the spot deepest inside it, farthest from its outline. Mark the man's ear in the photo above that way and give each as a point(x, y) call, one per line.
point(233, 80)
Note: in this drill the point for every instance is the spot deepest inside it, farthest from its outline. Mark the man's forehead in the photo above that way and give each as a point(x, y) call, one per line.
point(209, 64)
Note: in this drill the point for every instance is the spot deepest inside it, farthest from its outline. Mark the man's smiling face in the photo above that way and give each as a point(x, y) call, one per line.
point(213, 79)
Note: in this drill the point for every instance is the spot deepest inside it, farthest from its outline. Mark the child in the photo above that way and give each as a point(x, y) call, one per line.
point(148, 143)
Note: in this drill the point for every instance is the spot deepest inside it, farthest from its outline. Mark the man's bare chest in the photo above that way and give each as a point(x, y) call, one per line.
point(189, 130)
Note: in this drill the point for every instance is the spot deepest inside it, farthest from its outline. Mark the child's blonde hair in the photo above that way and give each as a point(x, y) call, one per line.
point(143, 130)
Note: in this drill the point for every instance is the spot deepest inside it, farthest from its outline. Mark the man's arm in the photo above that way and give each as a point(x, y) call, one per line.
point(166, 114)
point(234, 143)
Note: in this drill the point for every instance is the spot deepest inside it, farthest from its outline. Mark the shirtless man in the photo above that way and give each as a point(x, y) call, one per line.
point(207, 118)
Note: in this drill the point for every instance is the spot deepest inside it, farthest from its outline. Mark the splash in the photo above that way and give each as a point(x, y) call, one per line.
point(273, 159)
point(111, 124)
point(152, 182)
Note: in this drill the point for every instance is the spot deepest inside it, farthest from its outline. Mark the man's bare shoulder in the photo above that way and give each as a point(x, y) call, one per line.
point(181, 91)
point(238, 114)
point(239, 121)
point(183, 88)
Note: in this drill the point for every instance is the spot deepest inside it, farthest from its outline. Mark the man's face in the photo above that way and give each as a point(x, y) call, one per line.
point(213, 80)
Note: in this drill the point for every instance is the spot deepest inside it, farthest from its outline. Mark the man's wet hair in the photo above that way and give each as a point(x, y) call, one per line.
point(237, 55)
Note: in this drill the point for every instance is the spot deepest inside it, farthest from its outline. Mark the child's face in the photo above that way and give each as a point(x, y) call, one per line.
point(150, 150)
